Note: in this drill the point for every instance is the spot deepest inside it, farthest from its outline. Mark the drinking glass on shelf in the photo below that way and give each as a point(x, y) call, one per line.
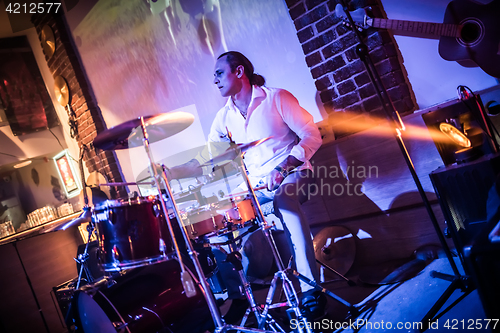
point(10, 227)
point(65, 209)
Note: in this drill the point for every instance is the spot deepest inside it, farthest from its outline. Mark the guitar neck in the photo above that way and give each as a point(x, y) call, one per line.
point(427, 28)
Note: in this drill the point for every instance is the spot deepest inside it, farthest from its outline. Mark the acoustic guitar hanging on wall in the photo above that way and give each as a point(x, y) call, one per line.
point(469, 34)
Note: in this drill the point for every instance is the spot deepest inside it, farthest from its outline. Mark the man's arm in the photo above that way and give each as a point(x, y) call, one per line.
point(301, 123)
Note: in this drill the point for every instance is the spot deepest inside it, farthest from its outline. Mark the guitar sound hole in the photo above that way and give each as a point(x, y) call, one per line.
point(471, 32)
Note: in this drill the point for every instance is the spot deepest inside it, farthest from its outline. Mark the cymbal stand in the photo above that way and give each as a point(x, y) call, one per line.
point(185, 277)
point(187, 282)
point(331, 269)
point(82, 258)
point(289, 290)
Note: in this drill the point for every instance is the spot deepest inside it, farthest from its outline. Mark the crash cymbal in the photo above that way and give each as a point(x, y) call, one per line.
point(335, 246)
point(234, 152)
point(61, 90)
point(48, 41)
point(129, 134)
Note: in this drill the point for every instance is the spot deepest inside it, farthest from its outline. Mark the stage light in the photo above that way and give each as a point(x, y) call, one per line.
point(455, 135)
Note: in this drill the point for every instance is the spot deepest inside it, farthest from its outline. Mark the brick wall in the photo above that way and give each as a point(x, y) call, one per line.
point(83, 107)
point(341, 78)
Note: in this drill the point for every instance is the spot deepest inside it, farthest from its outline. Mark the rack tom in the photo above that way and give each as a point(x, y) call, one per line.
point(131, 233)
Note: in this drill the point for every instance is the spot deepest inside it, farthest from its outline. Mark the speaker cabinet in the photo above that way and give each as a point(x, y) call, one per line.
point(462, 191)
point(483, 261)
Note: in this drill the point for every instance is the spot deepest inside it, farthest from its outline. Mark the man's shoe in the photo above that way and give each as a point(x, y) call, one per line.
point(236, 311)
point(313, 305)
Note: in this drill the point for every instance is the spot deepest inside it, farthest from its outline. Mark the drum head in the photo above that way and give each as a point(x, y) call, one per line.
point(91, 317)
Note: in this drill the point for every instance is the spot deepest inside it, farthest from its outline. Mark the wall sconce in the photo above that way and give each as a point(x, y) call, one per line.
point(22, 164)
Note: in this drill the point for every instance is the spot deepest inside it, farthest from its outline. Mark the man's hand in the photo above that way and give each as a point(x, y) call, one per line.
point(274, 180)
point(276, 177)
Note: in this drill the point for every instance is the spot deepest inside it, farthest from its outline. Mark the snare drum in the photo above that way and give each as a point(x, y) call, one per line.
point(147, 299)
point(129, 233)
point(242, 214)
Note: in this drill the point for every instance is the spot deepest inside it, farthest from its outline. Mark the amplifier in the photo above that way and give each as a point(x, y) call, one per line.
point(62, 296)
point(462, 191)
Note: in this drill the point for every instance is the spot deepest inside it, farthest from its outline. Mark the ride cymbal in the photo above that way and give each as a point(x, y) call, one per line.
point(129, 134)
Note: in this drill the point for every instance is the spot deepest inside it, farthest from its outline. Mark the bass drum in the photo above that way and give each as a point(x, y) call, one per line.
point(141, 300)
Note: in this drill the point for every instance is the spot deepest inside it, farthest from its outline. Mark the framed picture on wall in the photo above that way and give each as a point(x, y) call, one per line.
point(24, 97)
point(67, 174)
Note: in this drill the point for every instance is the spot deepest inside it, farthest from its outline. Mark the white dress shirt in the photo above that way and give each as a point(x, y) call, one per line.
point(272, 113)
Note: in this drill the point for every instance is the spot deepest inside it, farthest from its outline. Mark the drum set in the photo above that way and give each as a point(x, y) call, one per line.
point(153, 250)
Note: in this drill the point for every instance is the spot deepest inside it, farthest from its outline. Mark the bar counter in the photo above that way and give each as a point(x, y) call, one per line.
point(39, 229)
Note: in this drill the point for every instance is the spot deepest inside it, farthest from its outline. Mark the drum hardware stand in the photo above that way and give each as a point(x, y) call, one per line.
point(186, 279)
point(457, 280)
point(235, 239)
point(212, 304)
point(289, 290)
point(352, 309)
point(349, 282)
point(234, 257)
point(82, 258)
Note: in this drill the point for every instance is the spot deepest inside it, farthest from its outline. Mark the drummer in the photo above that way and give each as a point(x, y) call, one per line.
point(252, 112)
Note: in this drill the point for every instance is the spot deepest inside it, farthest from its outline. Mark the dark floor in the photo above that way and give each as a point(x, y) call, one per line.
point(398, 307)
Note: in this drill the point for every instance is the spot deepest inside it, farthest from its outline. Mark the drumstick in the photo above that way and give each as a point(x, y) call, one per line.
point(124, 184)
point(260, 188)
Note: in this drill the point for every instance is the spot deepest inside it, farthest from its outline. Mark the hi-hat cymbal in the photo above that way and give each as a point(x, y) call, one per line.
point(232, 153)
point(335, 246)
point(129, 134)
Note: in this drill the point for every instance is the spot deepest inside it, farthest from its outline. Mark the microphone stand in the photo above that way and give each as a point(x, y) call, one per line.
point(457, 281)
